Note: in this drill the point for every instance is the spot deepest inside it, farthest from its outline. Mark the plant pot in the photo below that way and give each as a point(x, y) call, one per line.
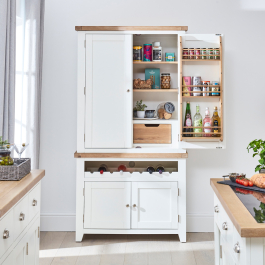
point(262, 171)
point(140, 114)
point(135, 113)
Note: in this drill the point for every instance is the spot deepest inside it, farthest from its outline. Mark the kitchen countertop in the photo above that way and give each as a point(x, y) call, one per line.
point(243, 221)
point(12, 191)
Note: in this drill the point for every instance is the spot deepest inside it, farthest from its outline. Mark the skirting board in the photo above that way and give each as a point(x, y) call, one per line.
point(66, 222)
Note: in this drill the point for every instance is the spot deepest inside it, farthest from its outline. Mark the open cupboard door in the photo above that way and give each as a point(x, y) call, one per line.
point(201, 56)
point(108, 92)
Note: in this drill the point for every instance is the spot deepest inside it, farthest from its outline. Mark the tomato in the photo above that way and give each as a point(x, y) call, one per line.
point(250, 183)
point(237, 180)
point(245, 183)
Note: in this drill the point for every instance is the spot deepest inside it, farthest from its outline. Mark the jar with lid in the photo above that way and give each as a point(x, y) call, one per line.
point(137, 53)
point(157, 52)
point(165, 80)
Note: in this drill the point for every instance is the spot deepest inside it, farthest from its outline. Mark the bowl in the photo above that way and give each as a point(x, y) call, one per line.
point(150, 113)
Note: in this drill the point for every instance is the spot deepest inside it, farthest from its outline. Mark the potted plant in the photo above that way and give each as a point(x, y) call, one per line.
point(140, 109)
point(258, 147)
point(135, 112)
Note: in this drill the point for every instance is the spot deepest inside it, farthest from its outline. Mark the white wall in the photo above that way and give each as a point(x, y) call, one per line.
point(244, 84)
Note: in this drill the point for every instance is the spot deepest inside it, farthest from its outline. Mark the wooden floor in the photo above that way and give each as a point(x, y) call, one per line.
point(61, 248)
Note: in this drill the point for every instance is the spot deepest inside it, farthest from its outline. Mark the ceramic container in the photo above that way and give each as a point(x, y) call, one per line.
point(140, 114)
point(149, 113)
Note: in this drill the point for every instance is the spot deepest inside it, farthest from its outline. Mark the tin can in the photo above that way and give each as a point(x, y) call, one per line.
point(185, 53)
point(137, 53)
point(204, 53)
point(197, 52)
point(147, 52)
point(191, 53)
point(210, 53)
point(206, 88)
point(215, 83)
point(196, 80)
point(216, 53)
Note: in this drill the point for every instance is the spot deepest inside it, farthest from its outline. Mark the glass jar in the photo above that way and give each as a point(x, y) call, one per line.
point(165, 80)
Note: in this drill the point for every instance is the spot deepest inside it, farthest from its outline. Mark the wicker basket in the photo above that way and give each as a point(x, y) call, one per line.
point(18, 171)
point(142, 84)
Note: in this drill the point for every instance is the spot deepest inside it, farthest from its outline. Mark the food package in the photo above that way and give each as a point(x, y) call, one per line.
point(258, 180)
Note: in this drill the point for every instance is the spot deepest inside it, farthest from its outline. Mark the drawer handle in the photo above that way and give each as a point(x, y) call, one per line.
point(134, 205)
point(216, 209)
point(225, 226)
point(21, 217)
point(151, 125)
point(237, 248)
point(6, 234)
point(34, 203)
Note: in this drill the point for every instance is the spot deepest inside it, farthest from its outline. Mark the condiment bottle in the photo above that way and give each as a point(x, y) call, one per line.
point(157, 52)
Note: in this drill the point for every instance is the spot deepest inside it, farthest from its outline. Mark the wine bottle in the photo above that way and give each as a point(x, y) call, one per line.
point(160, 169)
point(150, 169)
point(216, 122)
point(188, 121)
point(121, 168)
point(102, 168)
point(207, 122)
point(197, 121)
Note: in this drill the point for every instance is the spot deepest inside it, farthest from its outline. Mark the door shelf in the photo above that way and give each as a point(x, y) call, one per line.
point(163, 62)
point(171, 90)
point(202, 139)
point(198, 60)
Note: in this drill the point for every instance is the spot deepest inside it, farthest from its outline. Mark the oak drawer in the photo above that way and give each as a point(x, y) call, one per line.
point(152, 133)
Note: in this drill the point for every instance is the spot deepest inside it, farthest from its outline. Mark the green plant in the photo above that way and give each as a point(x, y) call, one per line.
point(140, 106)
point(3, 143)
point(260, 214)
point(134, 108)
point(258, 147)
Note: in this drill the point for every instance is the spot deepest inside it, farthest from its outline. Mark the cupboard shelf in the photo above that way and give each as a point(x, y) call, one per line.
point(163, 62)
point(197, 60)
point(212, 139)
point(202, 97)
point(171, 90)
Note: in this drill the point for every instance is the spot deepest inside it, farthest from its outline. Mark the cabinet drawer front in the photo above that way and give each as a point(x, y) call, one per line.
point(6, 224)
point(152, 133)
point(34, 201)
point(21, 216)
point(107, 205)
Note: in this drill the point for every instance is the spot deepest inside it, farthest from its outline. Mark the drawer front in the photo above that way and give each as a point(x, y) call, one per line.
point(7, 227)
point(34, 201)
point(152, 133)
point(21, 216)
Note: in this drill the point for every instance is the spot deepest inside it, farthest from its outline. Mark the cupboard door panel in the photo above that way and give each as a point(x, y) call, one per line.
point(106, 205)
point(108, 114)
point(155, 205)
point(33, 244)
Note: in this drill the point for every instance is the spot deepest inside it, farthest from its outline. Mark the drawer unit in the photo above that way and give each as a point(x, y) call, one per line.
point(34, 201)
point(152, 133)
point(240, 248)
point(7, 235)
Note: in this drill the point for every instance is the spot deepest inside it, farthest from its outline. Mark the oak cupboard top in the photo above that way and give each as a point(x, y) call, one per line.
point(131, 28)
point(243, 221)
point(12, 191)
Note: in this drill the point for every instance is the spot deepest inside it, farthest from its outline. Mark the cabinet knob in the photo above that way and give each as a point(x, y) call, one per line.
point(224, 226)
point(127, 205)
point(216, 209)
point(237, 248)
point(34, 202)
point(128, 90)
point(21, 217)
point(134, 205)
point(6, 234)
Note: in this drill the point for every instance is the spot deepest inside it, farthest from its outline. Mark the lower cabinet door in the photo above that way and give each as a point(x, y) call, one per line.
point(155, 205)
point(107, 205)
point(33, 244)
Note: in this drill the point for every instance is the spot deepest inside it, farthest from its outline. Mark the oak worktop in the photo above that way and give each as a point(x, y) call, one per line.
point(243, 221)
point(12, 191)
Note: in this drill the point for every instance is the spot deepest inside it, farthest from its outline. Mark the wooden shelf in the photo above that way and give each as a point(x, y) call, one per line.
point(202, 97)
point(157, 90)
point(163, 62)
point(197, 60)
point(212, 139)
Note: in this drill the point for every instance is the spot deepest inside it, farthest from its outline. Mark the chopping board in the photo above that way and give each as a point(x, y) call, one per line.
point(234, 184)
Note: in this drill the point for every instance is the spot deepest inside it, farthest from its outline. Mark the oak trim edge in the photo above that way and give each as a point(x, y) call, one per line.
point(131, 28)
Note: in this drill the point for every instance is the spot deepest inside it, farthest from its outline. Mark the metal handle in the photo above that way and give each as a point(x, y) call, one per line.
point(34, 202)
point(6, 234)
point(128, 90)
point(237, 248)
point(127, 205)
point(216, 209)
point(225, 226)
point(21, 217)
point(134, 205)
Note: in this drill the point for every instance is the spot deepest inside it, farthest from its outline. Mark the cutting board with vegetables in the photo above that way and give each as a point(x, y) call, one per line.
point(230, 183)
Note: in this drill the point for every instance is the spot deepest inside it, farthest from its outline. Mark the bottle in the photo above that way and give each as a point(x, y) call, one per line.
point(188, 121)
point(150, 169)
point(122, 168)
point(157, 52)
point(207, 122)
point(197, 122)
point(102, 168)
point(160, 169)
point(216, 122)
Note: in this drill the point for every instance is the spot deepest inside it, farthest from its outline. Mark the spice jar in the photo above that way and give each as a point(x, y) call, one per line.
point(137, 53)
point(165, 80)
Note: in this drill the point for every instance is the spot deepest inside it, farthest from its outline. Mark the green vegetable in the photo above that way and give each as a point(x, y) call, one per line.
point(258, 147)
point(140, 106)
point(260, 214)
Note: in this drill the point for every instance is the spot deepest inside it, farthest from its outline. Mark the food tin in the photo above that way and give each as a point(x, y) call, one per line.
point(210, 53)
point(148, 52)
point(197, 52)
point(186, 83)
point(170, 56)
point(196, 80)
point(206, 88)
point(216, 53)
point(215, 83)
point(137, 53)
point(191, 53)
point(165, 80)
point(203, 52)
point(185, 53)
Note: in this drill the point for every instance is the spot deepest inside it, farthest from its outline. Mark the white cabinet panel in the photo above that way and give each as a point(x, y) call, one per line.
point(107, 205)
point(33, 244)
point(155, 205)
point(108, 112)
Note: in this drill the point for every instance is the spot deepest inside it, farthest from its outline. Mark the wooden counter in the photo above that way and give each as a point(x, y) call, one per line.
point(12, 191)
point(243, 221)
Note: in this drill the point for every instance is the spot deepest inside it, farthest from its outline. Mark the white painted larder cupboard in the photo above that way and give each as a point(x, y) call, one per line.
point(136, 202)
